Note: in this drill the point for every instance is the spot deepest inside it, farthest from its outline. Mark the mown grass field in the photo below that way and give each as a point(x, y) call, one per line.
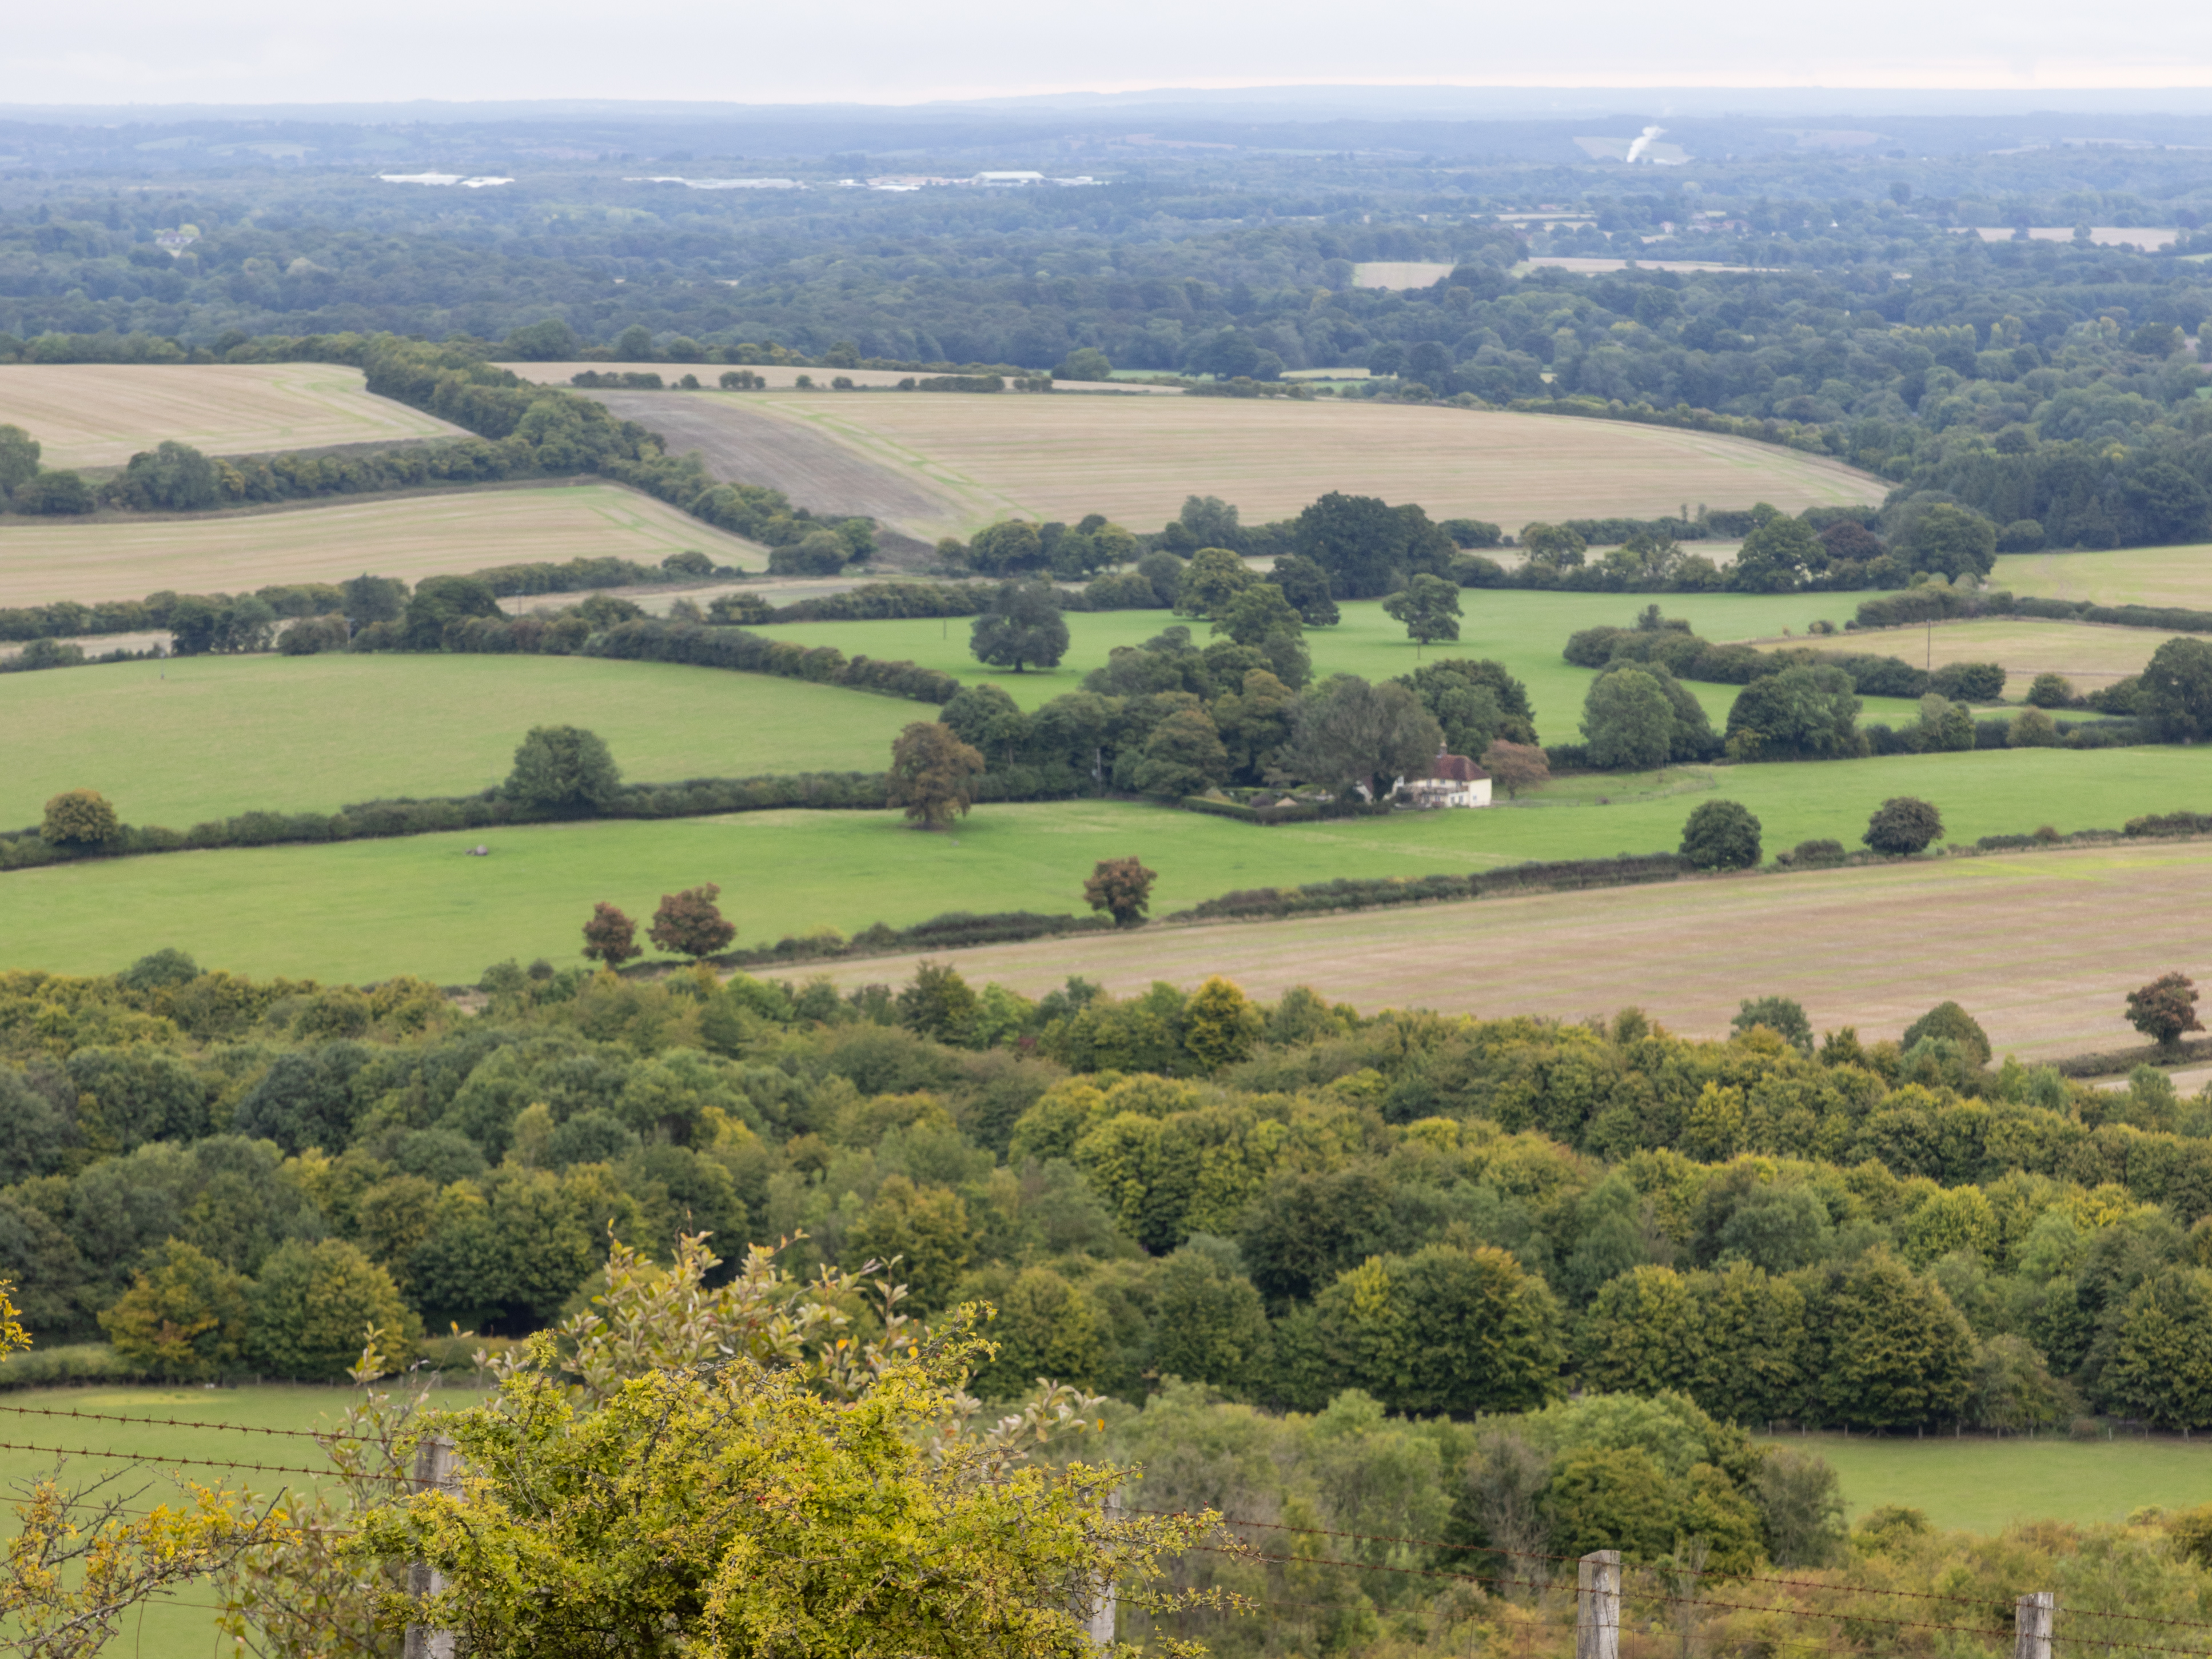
point(2129, 575)
point(196, 738)
point(181, 1627)
point(1983, 1485)
point(1135, 459)
point(2091, 654)
point(101, 414)
point(1526, 631)
point(365, 909)
point(447, 532)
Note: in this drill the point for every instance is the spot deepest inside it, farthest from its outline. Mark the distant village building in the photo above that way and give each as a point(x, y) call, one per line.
point(1453, 780)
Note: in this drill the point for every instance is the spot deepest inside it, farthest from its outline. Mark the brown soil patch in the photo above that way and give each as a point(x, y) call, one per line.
point(741, 443)
point(2042, 948)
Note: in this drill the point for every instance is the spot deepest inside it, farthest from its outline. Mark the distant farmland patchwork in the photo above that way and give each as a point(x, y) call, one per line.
point(101, 414)
point(408, 536)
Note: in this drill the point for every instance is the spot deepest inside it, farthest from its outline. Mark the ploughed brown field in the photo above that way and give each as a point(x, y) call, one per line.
point(445, 533)
point(2042, 948)
point(102, 413)
point(933, 464)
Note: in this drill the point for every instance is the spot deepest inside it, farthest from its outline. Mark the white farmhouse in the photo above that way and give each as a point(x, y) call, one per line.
point(1453, 780)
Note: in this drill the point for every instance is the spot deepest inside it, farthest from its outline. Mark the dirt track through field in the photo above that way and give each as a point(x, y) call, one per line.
point(740, 444)
point(2042, 948)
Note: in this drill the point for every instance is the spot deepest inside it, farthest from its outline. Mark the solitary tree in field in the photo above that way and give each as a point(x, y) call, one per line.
point(1720, 834)
point(690, 924)
point(932, 774)
point(1903, 825)
point(1022, 628)
point(2164, 1009)
point(1123, 888)
point(1429, 606)
point(610, 936)
point(563, 769)
point(79, 818)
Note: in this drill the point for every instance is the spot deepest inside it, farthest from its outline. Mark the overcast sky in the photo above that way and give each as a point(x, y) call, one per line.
point(109, 51)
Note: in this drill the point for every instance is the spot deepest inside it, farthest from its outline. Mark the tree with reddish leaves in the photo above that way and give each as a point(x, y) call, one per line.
point(689, 924)
point(610, 936)
point(2164, 1009)
point(1122, 887)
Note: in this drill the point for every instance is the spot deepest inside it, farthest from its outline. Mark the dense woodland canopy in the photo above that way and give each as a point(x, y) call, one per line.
point(1268, 1201)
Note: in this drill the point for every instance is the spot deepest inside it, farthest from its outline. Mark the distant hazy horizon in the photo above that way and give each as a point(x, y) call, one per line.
point(121, 53)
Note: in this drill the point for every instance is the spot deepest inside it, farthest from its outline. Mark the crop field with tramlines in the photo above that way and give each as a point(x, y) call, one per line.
point(443, 532)
point(949, 462)
point(101, 414)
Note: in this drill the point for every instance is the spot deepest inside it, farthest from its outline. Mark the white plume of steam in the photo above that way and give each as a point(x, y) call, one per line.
point(1643, 143)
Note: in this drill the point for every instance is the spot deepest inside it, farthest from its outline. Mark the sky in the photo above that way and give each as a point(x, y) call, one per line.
point(112, 52)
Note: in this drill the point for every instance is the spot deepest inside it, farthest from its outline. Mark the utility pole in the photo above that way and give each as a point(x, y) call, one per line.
point(435, 1469)
point(1597, 1606)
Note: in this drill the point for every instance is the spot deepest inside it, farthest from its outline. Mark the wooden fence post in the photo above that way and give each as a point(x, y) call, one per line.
point(2031, 1618)
point(1100, 1625)
point(434, 1467)
point(1597, 1606)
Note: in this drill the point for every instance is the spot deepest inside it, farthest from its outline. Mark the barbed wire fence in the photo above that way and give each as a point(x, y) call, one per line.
point(1611, 1609)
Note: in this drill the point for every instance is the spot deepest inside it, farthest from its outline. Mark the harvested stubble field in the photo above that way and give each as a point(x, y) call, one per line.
point(194, 738)
point(1400, 273)
point(2129, 575)
point(418, 905)
point(440, 532)
point(101, 414)
point(2091, 654)
point(2047, 969)
point(1135, 460)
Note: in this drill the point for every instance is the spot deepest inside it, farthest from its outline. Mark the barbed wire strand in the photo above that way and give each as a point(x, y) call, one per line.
point(188, 1422)
point(211, 1464)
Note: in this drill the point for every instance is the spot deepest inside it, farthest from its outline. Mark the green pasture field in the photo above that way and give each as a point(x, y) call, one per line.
point(363, 910)
point(2128, 575)
point(1983, 1485)
point(182, 1627)
point(1526, 631)
point(194, 738)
